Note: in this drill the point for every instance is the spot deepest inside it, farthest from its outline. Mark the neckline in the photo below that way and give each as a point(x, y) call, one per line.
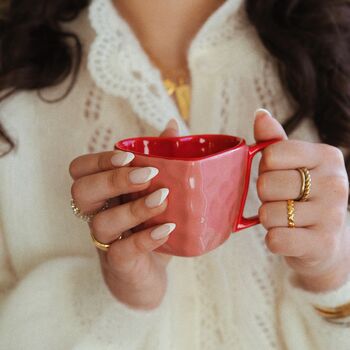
point(140, 82)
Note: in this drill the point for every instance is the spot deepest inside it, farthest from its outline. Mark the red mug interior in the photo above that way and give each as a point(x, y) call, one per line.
point(183, 147)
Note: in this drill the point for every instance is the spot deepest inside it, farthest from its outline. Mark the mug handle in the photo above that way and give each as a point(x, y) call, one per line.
point(243, 222)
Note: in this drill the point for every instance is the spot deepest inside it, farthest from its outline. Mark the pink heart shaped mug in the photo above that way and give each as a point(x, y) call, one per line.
point(208, 178)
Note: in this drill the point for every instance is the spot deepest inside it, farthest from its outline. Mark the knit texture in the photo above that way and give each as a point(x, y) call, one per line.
point(52, 294)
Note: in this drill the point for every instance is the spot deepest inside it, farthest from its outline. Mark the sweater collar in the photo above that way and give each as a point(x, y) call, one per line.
point(120, 67)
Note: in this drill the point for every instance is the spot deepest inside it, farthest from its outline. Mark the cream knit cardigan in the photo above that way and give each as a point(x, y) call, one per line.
point(239, 296)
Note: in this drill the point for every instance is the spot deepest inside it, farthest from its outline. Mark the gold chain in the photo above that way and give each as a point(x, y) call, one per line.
point(177, 85)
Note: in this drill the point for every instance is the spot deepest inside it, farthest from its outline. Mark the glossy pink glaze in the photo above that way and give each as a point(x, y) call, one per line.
point(208, 179)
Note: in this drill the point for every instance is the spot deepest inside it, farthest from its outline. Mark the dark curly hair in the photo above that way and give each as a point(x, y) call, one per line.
point(310, 39)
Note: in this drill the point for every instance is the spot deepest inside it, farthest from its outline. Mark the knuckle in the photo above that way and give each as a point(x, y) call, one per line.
point(261, 185)
point(141, 244)
point(103, 162)
point(335, 154)
point(337, 185)
point(73, 168)
point(327, 181)
point(341, 187)
point(97, 225)
point(337, 215)
point(272, 241)
point(114, 179)
point(263, 215)
point(136, 211)
point(268, 158)
point(76, 190)
point(330, 244)
point(325, 149)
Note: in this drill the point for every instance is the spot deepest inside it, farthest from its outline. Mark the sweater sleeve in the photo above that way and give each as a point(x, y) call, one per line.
point(65, 304)
point(302, 327)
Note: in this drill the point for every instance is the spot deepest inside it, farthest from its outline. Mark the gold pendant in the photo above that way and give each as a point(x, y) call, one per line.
point(182, 94)
point(183, 98)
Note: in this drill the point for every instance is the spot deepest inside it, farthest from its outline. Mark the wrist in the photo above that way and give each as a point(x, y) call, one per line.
point(146, 295)
point(323, 282)
point(327, 279)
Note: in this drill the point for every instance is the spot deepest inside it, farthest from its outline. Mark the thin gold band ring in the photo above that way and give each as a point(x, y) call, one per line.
point(99, 245)
point(103, 246)
point(305, 188)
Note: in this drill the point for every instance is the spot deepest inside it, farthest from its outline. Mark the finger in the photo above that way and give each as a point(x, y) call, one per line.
point(98, 162)
point(266, 127)
point(89, 191)
point(171, 129)
point(329, 188)
point(281, 185)
point(301, 242)
point(122, 253)
point(108, 225)
point(293, 154)
point(274, 214)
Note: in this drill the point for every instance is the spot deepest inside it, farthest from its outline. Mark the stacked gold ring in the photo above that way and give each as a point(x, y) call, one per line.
point(305, 188)
point(304, 194)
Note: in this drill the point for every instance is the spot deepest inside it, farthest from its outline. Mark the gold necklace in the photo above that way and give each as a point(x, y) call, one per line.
point(177, 85)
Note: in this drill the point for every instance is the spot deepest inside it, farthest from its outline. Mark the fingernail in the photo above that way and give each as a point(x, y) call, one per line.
point(162, 231)
point(156, 198)
point(122, 158)
point(172, 124)
point(262, 111)
point(142, 175)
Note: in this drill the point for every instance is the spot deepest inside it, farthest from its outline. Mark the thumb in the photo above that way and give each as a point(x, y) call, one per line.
point(266, 127)
point(171, 129)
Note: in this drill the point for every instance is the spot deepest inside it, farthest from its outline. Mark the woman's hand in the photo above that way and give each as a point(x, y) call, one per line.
point(318, 248)
point(135, 274)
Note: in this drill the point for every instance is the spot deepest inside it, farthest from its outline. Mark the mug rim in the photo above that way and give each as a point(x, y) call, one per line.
point(240, 142)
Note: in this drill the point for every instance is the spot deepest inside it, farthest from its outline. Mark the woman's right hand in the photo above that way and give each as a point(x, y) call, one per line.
point(133, 271)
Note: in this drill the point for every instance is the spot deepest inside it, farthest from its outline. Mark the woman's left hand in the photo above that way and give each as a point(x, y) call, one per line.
point(318, 247)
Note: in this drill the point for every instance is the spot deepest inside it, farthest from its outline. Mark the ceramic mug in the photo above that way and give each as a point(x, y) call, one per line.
point(208, 178)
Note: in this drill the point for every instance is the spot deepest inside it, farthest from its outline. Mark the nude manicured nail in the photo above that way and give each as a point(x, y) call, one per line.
point(162, 231)
point(156, 198)
point(142, 175)
point(172, 124)
point(122, 158)
point(262, 111)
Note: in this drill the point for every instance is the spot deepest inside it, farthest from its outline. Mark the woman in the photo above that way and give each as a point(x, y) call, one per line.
point(76, 78)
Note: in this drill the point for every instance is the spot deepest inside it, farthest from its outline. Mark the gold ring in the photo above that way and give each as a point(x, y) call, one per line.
point(305, 184)
point(86, 217)
point(103, 246)
point(291, 213)
point(302, 188)
point(99, 245)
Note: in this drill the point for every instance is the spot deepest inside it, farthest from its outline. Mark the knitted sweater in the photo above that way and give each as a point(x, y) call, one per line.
point(52, 294)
